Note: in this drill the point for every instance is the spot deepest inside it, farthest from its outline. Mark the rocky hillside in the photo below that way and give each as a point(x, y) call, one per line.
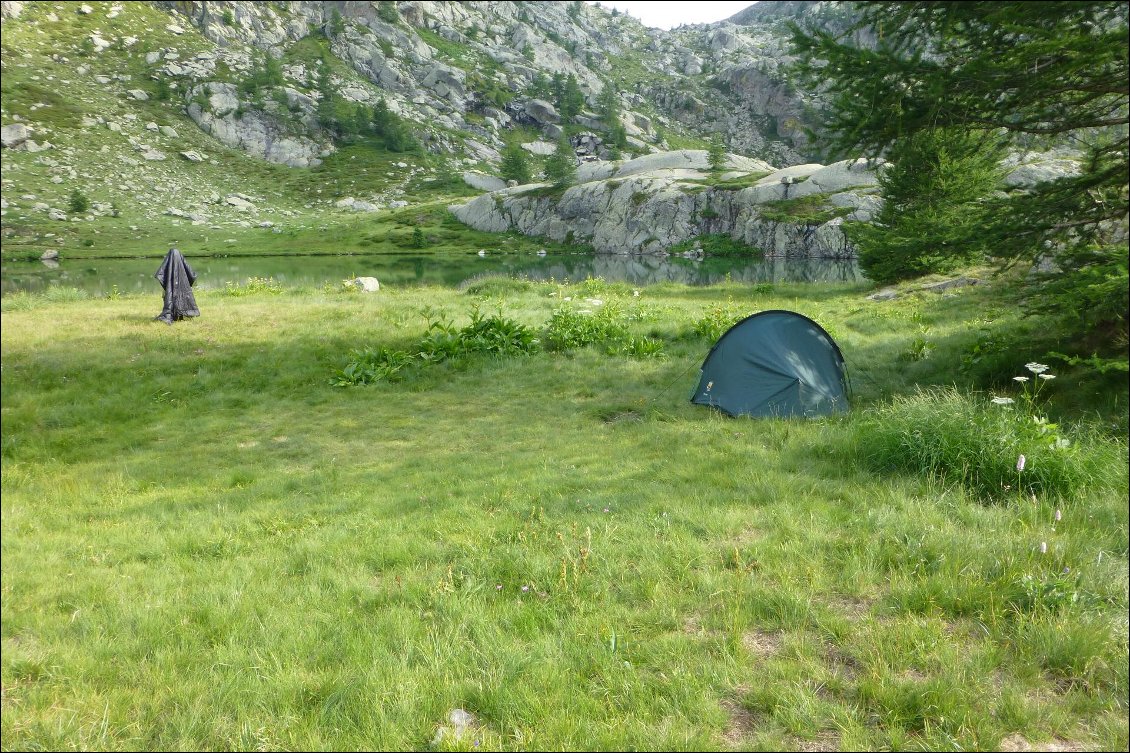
point(469, 73)
point(218, 122)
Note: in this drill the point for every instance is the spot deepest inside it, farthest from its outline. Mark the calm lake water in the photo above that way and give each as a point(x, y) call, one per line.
point(99, 276)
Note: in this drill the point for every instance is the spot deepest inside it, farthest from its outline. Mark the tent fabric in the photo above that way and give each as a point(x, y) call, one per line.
point(774, 363)
point(177, 278)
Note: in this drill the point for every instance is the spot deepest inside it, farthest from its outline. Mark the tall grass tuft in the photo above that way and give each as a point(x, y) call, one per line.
point(958, 437)
point(24, 301)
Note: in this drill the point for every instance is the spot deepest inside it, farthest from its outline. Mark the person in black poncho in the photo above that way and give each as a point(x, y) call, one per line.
point(177, 278)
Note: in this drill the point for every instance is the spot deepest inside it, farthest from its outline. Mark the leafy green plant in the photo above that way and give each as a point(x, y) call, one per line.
point(485, 335)
point(638, 347)
point(571, 327)
point(367, 366)
point(716, 320)
point(253, 286)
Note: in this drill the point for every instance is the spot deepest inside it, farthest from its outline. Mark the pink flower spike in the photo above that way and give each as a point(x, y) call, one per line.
point(1020, 464)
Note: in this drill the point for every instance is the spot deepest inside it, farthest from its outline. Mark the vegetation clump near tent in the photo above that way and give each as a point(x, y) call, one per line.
point(948, 84)
point(774, 363)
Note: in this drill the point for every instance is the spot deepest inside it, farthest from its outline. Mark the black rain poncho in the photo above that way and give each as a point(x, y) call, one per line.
point(177, 278)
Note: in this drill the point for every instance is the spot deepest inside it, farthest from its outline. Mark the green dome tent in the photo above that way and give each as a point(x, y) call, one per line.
point(774, 363)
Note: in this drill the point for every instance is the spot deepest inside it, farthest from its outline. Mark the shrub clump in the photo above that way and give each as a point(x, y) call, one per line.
point(570, 327)
point(254, 285)
point(716, 320)
point(997, 448)
point(443, 341)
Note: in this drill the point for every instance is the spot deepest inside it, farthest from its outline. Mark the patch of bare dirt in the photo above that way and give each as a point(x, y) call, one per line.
point(851, 607)
point(763, 645)
point(842, 664)
point(1017, 742)
point(740, 725)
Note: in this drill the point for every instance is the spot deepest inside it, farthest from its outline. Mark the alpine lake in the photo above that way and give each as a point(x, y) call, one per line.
point(103, 277)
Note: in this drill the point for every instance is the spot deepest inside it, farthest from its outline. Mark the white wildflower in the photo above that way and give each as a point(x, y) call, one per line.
point(1047, 376)
point(1003, 400)
point(1020, 379)
point(1036, 368)
point(1043, 547)
point(1061, 443)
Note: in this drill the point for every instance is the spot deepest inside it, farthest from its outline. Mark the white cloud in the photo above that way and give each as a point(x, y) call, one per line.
point(668, 15)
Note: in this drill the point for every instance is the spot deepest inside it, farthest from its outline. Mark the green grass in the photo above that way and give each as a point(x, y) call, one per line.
point(810, 210)
point(206, 545)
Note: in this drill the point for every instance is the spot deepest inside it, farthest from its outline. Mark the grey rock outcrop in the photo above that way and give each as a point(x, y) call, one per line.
point(652, 203)
point(541, 112)
point(482, 181)
point(254, 131)
point(14, 134)
point(356, 205)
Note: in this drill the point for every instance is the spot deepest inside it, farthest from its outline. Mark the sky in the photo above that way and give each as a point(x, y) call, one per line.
point(670, 13)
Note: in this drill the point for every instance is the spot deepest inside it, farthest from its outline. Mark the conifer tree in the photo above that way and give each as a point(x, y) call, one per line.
point(934, 204)
point(514, 165)
point(608, 106)
point(571, 99)
point(561, 166)
point(1040, 74)
point(716, 155)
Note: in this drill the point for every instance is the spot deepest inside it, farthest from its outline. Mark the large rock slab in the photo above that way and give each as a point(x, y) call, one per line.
point(649, 204)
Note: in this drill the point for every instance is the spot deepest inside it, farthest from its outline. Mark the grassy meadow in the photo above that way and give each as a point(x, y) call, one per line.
point(207, 545)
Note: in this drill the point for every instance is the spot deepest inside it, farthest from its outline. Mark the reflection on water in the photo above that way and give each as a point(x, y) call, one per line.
point(100, 276)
